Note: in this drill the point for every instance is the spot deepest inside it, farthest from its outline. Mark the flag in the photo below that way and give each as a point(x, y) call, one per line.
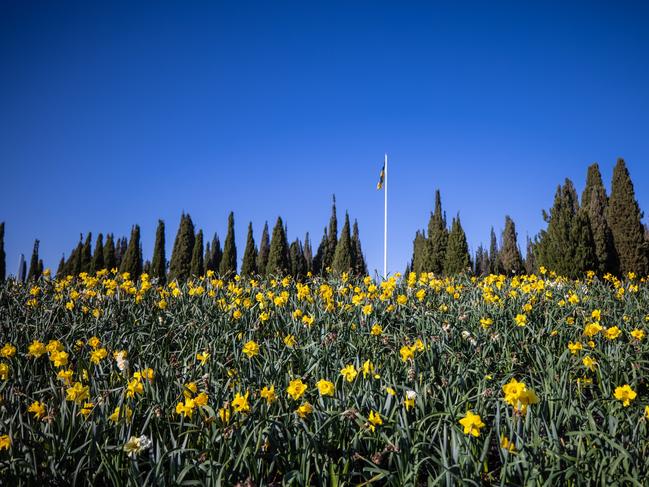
point(379, 185)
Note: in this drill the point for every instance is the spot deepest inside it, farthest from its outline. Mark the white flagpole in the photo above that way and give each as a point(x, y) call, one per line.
point(385, 222)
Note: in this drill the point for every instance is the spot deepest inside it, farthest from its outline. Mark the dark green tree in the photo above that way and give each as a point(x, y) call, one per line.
point(74, 263)
point(595, 202)
point(625, 220)
point(420, 248)
point(207, 258)
point(40, 267)
point(481, 262)
point(159, 261)
point(278, 259)
point(264, 251)
point(318, 260)
point(181, 255)
point(530, 259)
point(196, 266)
point(457, 251)
point(308, 253)
point(360, 267)
point(437, 239)
point(296, 257)
point(33, 274)
point(97, 263)
point(228, 265)
point(132, 258)
point(3, 256)
point(249, 264)
point(120, 251)
point(332, 239)
point(495, 266)
point(60, 270)
point(216, 254)
point(146, 268)
point(510, 255)
point(86, 254)
point(343, 257)
point(109, 253)
point(566, 246)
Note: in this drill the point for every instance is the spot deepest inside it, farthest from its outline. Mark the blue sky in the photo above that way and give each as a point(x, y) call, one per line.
point(120, 113)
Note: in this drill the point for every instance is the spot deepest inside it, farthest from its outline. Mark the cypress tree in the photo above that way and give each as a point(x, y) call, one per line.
point(97, 263)
point(530, 259)
point(437, 239)
point(278, 258)
point(40, 267)
point(332, 240)
point(228, 265)
point(60, 271)
point(360, 267)
point(318, 260)
point(110, 262)
point(264, 251)
point(33, 274)
point(22, 269)
point(595, 202)
point(216, 254)
point(624, 218)
point(308, 253)
point(420, 249)
point(298, 262)
point(196, 266)
point(481, 261)
point(132, 258)
point(343, 258)
point(74, 266)
point(86, 254)
point(146, 268)
point(495, 266)
point(457, 251)
point(566, 246)
point(510, 255)
point(207, 258)
point(181, 255)
point(158, 269)
point(3, 256)
point(249, 264)
point(120, 251)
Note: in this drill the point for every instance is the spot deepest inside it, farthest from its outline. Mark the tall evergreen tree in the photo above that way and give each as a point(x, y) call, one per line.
point(249, 264)
point(196, 266)
point(296, 257)
point(86, 254)
point(278, 258)
point(97, 263)
point(207, 258)
point(181, 255)
point(595, 202)
point(22, 269)
point(457, 251)
point(481, 262)
point(360, 267)
point(510, 255)
point(40, 267)
point(264, 250)
point(60, 270)
point(530, 259)
point(33, 274)
point(319, 259)
point(437, 239)
point(73, 266)
point(495, 266)
point(110, 262)
point(625, 220)
point(566, 246)
point(216, 254)
point(3, 256)
point(228, 264)
point(332, 239)
point(158, 269)
point(343, 257)
point(420, 249)
point(132, 258)
point(308, 253)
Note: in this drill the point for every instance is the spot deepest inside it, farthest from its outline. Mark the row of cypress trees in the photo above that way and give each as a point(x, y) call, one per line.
point(190, 257)
point(599, 233)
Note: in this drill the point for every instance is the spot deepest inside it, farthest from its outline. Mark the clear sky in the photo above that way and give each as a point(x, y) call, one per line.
point(119, 113)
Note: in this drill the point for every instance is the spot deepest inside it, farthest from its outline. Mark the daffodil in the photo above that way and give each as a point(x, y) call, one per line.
point(325, 387)
point(349, 373)
point(251, 349)
point(38, 409)
point(296, 388)
point(240, 403)
point(472, 424)
point(625, 394)
point(375, 420)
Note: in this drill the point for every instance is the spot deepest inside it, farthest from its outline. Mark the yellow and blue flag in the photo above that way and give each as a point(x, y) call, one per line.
point(379, 185)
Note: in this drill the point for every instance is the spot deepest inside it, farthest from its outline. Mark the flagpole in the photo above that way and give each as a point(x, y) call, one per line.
point(385, 222)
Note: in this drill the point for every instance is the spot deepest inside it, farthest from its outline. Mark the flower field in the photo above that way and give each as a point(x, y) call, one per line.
point(411, 381)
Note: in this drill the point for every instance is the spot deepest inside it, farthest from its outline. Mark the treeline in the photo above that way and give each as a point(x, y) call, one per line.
point(190, 257)
point(597, 233)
